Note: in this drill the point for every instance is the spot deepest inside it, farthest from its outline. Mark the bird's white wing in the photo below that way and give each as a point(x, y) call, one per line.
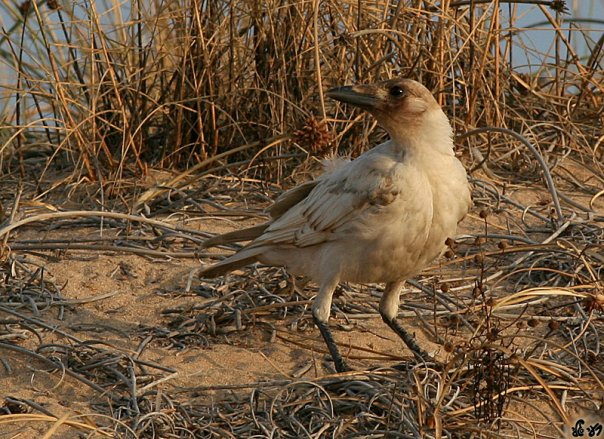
point(291, 197)
point(346, 201)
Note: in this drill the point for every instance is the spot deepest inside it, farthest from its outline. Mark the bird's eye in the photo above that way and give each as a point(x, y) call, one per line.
point(396, 91)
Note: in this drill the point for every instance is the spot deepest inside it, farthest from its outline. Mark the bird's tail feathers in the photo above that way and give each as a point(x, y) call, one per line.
point(248, 234)
point(233, 262)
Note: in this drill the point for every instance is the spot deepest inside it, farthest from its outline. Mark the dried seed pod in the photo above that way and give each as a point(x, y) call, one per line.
point(313, 134)
point(493, 334)
point(479, 240)
point(594, 302)
point(24, 7)
point(450, 242)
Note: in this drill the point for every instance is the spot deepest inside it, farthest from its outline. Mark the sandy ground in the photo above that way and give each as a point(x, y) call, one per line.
point(138, 294)
point(116, 298)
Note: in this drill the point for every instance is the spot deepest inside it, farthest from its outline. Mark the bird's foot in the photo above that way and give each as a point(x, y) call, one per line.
point(341, 365)
point(403, 367)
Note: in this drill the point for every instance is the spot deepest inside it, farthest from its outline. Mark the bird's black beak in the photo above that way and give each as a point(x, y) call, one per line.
point(362, 96)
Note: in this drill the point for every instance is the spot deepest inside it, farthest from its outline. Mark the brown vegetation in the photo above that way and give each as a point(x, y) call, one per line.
point(192, 112)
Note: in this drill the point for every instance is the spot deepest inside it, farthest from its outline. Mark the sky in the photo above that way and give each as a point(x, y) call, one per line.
point(587, 14)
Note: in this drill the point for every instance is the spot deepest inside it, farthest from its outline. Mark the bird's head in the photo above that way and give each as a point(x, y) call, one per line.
point(403, 107)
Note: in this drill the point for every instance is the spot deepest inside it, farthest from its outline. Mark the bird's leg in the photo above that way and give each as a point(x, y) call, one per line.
point(339, 362)
point(389, 309)
point(409, 340)
point(321, 308)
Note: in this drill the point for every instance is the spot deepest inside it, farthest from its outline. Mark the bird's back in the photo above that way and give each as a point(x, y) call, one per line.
point(378, 218)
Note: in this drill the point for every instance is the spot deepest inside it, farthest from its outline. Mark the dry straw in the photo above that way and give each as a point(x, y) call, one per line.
point(227, 98)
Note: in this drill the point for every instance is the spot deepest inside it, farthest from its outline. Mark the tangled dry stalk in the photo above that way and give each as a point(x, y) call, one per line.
point(229, 97)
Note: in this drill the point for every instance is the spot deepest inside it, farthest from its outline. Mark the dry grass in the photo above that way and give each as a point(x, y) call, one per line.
point(179, 82)
point(228, 98)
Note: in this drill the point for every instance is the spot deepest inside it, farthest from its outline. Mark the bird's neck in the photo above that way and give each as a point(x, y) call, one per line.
point(432, 137)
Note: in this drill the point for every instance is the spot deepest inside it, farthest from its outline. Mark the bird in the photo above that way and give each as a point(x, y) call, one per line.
point(380, 218)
